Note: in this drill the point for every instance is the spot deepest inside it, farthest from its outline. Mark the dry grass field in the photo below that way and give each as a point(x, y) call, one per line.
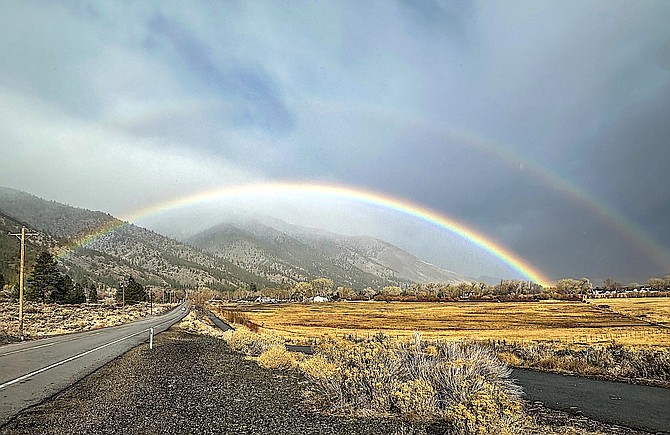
point(49, 319)
point(656, 310)
point(569, 322)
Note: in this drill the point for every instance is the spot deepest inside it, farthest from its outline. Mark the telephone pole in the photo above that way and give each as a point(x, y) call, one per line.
point(22, 235)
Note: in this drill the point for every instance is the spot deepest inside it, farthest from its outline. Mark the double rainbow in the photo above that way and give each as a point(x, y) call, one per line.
point(336, 192)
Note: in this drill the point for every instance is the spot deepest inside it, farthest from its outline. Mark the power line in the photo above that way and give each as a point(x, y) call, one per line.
point(22, 235)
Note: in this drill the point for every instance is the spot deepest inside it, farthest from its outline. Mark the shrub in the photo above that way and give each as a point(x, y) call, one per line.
point(277, 357)
point(612, 360)
point(462, 384)
point(249, 343)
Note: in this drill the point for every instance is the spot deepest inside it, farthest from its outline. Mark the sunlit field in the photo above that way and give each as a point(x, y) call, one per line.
point(42, 320)
point(568, 322)
point(656, 310)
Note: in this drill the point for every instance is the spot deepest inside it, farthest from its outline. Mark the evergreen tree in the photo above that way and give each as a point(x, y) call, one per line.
point(92, 294)
point(68, 290)
point(134, 292)
point(45, 283)
point(76, 295)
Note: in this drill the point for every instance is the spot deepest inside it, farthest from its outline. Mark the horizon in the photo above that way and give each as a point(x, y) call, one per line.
point(541, 127)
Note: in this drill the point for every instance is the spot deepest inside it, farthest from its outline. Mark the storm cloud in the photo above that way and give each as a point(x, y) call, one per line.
point(542, 125)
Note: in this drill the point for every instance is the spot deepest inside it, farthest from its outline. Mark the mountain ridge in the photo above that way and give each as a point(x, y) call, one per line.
point(241, 254)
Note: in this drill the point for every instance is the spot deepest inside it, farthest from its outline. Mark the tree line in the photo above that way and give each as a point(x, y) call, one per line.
point(47, 284)
point(568, 288)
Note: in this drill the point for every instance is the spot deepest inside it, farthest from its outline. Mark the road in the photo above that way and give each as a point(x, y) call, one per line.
point(636, 406)
point(32, 371)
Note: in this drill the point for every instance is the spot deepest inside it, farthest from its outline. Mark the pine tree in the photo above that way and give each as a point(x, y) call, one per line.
point(134, 292)
point(92, 294)
point(45, 283)
point(68, 290)
point(76, 295)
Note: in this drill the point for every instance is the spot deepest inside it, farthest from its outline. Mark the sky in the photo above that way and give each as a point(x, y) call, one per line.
point(542, 125)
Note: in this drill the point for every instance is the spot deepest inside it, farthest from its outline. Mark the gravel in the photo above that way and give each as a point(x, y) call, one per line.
point(196, 384)
point(186, 384)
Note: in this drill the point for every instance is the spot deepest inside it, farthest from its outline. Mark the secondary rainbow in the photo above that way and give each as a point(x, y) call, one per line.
point(332, 191)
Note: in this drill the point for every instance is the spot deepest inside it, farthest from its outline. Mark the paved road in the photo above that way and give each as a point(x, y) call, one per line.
point(636, 406)
point(35, 370)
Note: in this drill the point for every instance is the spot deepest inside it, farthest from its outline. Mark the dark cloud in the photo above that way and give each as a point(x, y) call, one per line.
point(257, 96)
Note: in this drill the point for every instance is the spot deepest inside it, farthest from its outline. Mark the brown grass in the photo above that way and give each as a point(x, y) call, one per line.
point(655, 310)
point(50, 319)
point(569, 322)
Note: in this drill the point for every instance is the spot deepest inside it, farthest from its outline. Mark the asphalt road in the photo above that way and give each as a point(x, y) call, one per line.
point(635, 406)
point(32, 371)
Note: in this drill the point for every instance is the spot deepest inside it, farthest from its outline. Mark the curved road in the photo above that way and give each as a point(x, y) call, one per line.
point(32, 371)
point(635, 406)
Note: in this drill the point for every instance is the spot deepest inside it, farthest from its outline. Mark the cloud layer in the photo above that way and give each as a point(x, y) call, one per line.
point(541, 124)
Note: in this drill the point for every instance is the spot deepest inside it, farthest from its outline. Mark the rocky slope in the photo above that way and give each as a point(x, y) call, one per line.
point(280, 251)
point(104, 249)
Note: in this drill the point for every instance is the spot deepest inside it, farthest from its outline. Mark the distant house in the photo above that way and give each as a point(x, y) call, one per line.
point(320, 299)
point(265, 300)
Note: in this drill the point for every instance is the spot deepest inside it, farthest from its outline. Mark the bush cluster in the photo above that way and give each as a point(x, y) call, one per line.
point(463, 384)
point(249, 343)
point(278, 358)
point(612, 360)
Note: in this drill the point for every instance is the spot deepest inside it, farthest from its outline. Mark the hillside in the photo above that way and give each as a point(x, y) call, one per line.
point(279, 257)
point(128, 250)
point(278, 250)
point(10, 248)
point(231, 255)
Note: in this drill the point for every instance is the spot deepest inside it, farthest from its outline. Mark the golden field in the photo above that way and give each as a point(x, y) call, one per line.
point(42, 320)
point(569, 322)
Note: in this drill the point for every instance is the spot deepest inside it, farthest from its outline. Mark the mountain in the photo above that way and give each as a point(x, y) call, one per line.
point(116, 249)
point(10, 247)
point(101, 248)
point(279, 251)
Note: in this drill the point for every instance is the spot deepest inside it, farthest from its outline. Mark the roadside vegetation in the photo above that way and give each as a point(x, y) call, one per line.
point(41, 320)
point(560, 336)
point(456, 387)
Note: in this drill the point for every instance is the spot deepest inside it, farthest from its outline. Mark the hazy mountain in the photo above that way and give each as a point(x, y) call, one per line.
point(110, 255)
point(230, 255)
point(278, 251)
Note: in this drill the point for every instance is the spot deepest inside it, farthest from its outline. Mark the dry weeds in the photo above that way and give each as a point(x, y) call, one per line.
point(42, 320)
point(572, 323)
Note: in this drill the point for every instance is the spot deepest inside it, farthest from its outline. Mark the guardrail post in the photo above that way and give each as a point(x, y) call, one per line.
point(151, 338)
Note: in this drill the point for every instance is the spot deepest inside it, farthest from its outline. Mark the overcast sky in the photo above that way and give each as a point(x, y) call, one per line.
point(543, 125)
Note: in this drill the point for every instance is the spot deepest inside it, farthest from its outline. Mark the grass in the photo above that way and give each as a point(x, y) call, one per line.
point(460, 386)
point(572, 323)
point(655, 310)
point(41, 320)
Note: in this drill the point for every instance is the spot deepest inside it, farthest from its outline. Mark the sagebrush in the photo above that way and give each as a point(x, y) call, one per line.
point(463, 384)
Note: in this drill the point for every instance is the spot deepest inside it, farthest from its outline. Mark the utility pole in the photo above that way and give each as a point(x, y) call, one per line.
point(22, 236)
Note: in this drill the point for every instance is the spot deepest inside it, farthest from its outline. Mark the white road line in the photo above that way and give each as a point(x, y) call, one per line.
point(43, 369)
point(30, 348)
point(66, 339)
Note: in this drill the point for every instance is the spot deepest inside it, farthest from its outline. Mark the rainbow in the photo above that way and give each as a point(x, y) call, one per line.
point(332, 191)
point(515, 160)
